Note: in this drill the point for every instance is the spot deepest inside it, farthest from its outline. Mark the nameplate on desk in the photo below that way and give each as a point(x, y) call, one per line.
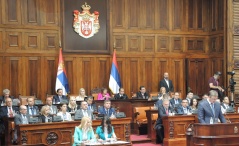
point(64, 101)
point(57, 119)
point(38, 102)
point(120, 115)
point(33, 120)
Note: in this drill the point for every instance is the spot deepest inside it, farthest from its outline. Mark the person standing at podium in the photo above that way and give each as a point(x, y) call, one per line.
point(163, 110)
point(209, 109)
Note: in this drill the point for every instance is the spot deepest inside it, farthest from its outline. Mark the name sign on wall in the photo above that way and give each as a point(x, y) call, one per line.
point(85, 26)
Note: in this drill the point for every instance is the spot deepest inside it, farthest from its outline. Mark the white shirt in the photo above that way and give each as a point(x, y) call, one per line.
point(167, 82)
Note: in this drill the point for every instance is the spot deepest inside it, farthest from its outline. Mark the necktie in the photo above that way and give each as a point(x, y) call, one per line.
point(25, 119)
point(32, 111)
point(10, 112)
point(107, 112)
point(176, 101)
point(166, 111)
point(213, 111)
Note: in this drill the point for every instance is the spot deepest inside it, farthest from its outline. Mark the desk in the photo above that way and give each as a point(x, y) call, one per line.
point(213, 134)
point(60, 133)
point(150, 124)
point(175, 129)
point(174, 122)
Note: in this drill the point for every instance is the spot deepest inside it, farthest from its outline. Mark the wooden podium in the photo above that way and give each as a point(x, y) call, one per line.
point(175, 128)
point(213, 135)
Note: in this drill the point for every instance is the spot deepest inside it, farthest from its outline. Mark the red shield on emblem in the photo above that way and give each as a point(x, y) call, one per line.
point(86, 27)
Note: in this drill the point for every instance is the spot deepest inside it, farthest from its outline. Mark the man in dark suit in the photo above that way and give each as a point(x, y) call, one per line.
point(107, 110)
point(91, 104)
point(6, 94)
point(184, 108)
point(22, 118)
point(168, 84)
point(121, 94)
point(31, 108)
point(83, 111)
point(176, 100)
point(8, 110)
point(209, 110)
point(163, 110)
point(142, 94)
point(59, 98)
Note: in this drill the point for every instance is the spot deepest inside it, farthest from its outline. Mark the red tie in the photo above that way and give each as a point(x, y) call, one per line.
point(10, 112)
point(166, 111)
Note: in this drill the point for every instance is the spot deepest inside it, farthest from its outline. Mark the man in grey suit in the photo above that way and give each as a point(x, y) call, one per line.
point(22, 118)
point(53, 108)
point(83, 111)
point(209, 110)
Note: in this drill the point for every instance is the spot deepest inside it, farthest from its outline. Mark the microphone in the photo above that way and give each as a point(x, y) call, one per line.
point(227, 118)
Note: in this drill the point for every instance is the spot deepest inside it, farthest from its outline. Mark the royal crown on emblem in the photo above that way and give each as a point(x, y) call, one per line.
point(86, 7)
point(86, 24)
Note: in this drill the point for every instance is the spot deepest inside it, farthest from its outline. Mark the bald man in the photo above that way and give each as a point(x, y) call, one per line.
point(165, 82)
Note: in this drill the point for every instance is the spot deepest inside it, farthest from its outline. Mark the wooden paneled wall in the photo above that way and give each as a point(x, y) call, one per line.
point(150, 36)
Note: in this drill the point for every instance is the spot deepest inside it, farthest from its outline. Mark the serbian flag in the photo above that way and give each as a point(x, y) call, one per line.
point(114, 82)
point(61, 78)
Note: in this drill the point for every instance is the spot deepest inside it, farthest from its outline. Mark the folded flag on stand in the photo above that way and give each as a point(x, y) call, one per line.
point(114, 82)
point(61, 78)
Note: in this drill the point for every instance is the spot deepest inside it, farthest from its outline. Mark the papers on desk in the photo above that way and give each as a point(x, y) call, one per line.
point(106, 143)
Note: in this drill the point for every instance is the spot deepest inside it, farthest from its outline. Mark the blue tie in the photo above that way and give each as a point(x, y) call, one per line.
point(213, 111)
point(32, 111)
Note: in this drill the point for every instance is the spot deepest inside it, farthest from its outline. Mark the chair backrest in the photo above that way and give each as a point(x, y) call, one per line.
point(141, 112)
point(94, 92)
point(73, 95)
point(23, 99)
point(154, 117)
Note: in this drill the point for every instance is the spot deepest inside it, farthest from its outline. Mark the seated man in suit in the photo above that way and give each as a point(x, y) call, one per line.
point(163, 110)
point(6, 94)
point(184, 108)
point(21, 118)
point(225, 105)
point(121, 94)
point(53, 108)
point(189, 97)
point(142, 94)
point(91, 104)
point(83, 111)
point(59, 98)
point(175, 101)
point(8, 110)
point(107, 110)
point(209, 111)
point(165, 82)
point(31, 108)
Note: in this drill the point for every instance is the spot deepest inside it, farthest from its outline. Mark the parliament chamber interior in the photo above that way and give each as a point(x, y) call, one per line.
point(119, 72)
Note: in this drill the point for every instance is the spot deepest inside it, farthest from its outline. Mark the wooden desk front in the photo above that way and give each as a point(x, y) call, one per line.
point(60, 133)
point(177, 136)
point(214, 135)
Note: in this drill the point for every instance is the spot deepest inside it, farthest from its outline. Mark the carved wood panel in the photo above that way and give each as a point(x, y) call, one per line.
point(134, 43)
point(148, 44)
point(163, 44)
point(33, 76)
point(119, 43)
point(12, 11)
point(147, 14)
point(31, 12)
point(133, 13)
point(31, 41)
point(13, 40)
point(118, 8)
